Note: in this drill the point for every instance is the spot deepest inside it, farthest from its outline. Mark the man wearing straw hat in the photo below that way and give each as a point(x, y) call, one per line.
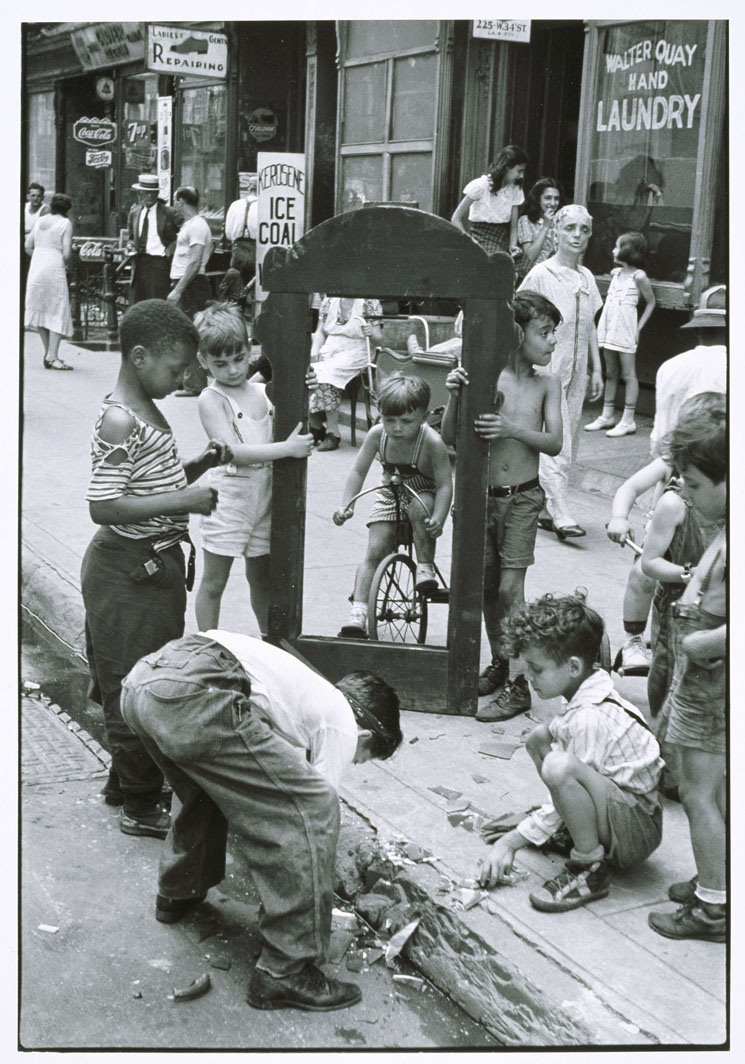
point(152, 230)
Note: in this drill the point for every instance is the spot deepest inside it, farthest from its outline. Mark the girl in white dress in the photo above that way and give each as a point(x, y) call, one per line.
point(619, 330)
point(47, 301)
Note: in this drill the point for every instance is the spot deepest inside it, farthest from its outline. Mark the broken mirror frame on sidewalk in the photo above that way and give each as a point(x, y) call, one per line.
point(388, 252)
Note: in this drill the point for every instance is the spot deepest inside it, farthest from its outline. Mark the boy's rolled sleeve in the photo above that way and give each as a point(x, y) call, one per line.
point(540, 825)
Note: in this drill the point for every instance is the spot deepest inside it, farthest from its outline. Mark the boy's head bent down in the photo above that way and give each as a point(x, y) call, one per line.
point(223, 342)
point(376, 709)
point(158, 341)
point(559, 639)
point(222, 329)
point(402, 394)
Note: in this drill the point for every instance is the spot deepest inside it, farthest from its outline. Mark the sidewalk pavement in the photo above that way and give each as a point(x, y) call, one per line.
point(597, 976)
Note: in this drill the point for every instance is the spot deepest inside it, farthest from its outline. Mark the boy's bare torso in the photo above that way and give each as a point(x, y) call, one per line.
point(510, 461)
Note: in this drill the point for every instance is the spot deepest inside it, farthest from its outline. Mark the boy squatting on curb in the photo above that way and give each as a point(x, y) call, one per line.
point(525, 423)
point(599, 760)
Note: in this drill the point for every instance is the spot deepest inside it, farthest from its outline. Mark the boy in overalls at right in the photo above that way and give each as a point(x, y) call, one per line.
point(697, 703)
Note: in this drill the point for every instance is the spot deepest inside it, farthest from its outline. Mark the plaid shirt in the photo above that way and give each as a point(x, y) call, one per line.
point(604, 736)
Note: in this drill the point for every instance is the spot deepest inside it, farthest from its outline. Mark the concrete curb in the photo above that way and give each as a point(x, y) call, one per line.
point(480, 958)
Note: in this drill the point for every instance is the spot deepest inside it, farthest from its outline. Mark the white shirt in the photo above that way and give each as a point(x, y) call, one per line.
point(703, 369)
point(194, 231)
point(488, 206)
point(297, 703)
point(154, 243)
point(604, 736)
point(242, 220)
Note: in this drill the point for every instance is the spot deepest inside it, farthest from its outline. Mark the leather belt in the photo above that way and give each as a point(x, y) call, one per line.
point(504, 491)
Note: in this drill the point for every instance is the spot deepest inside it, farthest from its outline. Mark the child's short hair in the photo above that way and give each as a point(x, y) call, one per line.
point(529, 305)
point(376, 709)
point(222, 329)
point(400, 394)
point(155, 324)
point(699, 438)
point(562, 626)
point(632, 248)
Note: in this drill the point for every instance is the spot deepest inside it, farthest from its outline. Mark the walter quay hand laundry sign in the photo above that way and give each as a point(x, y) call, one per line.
point(651, 80)
point(173, 50)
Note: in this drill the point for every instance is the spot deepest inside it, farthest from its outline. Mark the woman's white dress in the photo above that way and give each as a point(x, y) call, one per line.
point(47, 298)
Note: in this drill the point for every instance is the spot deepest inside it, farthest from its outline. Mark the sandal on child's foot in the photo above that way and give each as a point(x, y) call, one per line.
point(56, 363)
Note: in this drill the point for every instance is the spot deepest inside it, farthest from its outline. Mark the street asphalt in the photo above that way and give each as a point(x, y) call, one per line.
point(597, 976)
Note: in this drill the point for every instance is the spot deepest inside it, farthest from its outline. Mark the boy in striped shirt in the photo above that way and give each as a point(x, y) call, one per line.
point(598, 758)
point(133, 576)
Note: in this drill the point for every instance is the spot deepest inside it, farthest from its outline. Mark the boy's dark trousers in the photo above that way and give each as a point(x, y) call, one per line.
point(127, 617)
point(190, 702)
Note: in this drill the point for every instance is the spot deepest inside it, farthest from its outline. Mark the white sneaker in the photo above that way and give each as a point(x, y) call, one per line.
point(600, 423)
point(623, 428)
point(426, 580)
point(636, 657)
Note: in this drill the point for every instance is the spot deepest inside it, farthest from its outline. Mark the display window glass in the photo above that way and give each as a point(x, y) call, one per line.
point(647, 106)
point(388, 115)
point(201, 132)
point(139, 132)
point(41, 146)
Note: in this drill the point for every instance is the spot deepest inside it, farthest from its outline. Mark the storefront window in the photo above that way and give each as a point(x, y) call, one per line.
point(388, 114)
point(139, 132)
point(201, 130)
point(648, 98)
point(41, 144)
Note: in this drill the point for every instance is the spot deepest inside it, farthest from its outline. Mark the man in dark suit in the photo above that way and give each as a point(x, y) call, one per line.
point(152, 230)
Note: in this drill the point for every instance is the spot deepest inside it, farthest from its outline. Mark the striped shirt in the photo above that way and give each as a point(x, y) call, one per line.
point(605, 736)
point(152, 466)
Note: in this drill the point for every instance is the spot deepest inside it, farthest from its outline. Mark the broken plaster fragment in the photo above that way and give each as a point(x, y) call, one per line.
point(341, 920)
point(49, 928)
point(446, 792)
point(410, 980)
point(399, 940)
point(195, 989)
point(504, 750)
point(468, 898)
point(458, 805)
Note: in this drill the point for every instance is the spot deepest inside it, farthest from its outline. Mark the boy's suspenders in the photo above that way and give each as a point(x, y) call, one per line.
point(639, 720)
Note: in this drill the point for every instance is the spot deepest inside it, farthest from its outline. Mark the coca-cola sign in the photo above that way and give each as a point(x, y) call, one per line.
point(96, 132)
point(91, 248)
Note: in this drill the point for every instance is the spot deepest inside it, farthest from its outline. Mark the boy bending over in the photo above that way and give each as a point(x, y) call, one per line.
point(598, 758)
point(524, 423)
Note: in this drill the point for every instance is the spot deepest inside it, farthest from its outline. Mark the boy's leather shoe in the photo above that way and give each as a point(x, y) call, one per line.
point(691, 921)
point(154, 825)
point(683, 893)
point(309, 989)
point(514, 698)
point(171, 910)
point(493, 677)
